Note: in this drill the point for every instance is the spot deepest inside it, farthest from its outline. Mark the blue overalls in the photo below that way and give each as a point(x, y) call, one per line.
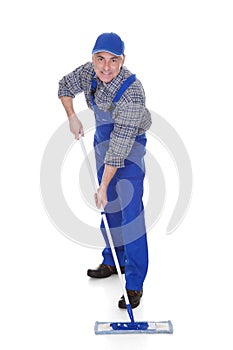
point(124, 211)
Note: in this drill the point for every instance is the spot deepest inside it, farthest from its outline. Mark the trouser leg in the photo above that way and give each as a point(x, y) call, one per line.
point(133, 228)
point(125, 215)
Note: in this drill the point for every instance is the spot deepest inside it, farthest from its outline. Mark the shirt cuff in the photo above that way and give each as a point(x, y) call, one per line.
point(117, 162)
point(65, 93)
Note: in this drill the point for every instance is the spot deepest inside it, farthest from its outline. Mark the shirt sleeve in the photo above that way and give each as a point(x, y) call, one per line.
point(126, 125)
point(76, 81)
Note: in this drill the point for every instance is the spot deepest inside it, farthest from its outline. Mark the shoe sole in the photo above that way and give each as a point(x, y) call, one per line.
point(94, 274)
point(132, 306)
point(89, 274)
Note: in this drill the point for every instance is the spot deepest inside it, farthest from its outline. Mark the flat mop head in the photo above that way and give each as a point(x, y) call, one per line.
point(164, 327)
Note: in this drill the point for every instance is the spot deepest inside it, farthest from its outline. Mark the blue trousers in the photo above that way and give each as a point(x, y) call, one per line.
point(125, 215)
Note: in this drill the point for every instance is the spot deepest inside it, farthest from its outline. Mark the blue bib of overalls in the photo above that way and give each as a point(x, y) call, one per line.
point(104, 121)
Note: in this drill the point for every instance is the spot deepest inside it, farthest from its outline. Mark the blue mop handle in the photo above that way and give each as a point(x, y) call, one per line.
point(95, 186)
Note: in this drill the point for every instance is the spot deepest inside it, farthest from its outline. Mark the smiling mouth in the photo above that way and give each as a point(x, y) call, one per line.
point(106, 73)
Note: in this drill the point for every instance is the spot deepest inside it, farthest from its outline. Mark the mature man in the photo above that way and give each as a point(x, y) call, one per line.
point(118, 100)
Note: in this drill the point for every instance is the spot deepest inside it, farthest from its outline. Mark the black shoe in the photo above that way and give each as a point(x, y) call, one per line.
point(134, 299)
point(104, 271)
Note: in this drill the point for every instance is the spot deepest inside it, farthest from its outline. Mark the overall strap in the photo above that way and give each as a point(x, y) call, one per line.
point(130, 80)
point(93, 89)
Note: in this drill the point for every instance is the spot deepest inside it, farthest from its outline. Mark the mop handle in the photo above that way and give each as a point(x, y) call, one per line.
point(93, 179)
point(95, 186)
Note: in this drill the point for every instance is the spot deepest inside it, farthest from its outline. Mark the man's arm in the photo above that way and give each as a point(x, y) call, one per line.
point(75, 125)
point(69, 86)
point(101, 195)
point(77, 128)
point(68, 105)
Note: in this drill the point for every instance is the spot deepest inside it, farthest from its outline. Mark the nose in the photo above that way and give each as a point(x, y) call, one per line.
point(106, 65)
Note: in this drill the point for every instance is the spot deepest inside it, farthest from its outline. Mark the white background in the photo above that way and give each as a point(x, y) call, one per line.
point(182, 53)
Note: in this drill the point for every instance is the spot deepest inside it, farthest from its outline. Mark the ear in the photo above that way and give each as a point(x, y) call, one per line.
point(123, 60)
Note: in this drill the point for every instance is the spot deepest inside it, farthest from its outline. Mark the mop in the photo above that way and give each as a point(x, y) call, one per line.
point(122, 327)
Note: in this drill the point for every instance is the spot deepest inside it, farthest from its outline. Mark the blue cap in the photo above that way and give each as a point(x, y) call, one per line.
point(109, 42)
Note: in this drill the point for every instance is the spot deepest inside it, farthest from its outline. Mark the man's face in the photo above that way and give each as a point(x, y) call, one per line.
point(106, 65)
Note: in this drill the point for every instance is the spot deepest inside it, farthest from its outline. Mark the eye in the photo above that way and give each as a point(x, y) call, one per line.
point(114, 60)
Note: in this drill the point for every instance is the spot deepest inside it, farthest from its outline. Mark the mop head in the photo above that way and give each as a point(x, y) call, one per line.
point(164, 327)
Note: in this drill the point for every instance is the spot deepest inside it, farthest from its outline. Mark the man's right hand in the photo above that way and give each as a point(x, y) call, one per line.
point(76, 126)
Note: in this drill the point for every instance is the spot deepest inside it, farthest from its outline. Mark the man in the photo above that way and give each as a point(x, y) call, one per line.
point(117, 98)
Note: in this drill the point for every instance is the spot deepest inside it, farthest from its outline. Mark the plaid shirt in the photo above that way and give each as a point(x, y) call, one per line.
point(131, 117)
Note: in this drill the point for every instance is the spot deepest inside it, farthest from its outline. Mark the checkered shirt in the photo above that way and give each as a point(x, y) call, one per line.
point(131, 117)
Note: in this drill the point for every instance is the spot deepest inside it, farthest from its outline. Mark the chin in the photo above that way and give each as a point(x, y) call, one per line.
point(106, 78)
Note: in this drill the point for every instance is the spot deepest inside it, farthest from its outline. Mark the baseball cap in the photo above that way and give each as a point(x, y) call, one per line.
point(109, 42)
